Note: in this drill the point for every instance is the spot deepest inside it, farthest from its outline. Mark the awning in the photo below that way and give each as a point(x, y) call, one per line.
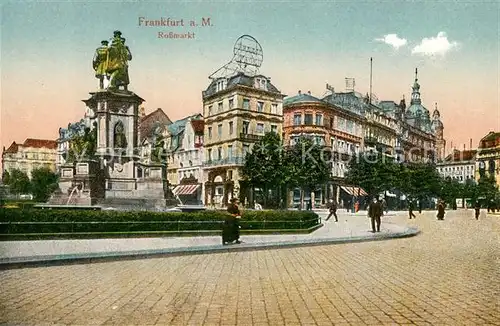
point(185, 189)
point(354, 191)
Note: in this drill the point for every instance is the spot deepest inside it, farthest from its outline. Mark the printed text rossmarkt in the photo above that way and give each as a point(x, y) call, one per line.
point(169, 22)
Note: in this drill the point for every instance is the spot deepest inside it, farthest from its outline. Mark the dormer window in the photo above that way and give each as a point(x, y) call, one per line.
point(221, 84)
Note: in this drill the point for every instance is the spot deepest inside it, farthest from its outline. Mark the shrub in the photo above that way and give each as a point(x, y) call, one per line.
point(69, 221)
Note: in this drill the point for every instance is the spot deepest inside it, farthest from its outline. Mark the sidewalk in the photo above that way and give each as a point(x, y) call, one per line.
point(350, 228)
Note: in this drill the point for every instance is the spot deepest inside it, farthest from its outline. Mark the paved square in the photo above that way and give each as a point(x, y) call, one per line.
point(448, 275)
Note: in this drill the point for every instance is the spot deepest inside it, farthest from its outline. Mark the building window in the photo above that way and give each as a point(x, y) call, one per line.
point(260, 128)
point(308, 119)
point(319, 119)
point(219, 153)
point(219, 130)
point(209, 154)
point(274, 108)
point(220, 85)
point(297, 119)
point(209, 132)
point(230, 127)
point(209, 110)
point(246, 104)
point(245, 127)
point(231, 104)
point(230, 174)
point(219, 107)
point(230, 151)
point(331, 123)
point(274, 128)
point(260, 106)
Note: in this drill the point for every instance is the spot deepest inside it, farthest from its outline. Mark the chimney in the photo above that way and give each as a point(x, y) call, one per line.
point(300, 92)
point(309, 92)
point(470, 144)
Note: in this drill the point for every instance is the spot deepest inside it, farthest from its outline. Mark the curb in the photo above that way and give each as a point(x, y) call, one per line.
point(88, 258)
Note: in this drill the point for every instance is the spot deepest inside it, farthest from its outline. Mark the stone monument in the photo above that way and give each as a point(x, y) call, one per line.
point(107, 167)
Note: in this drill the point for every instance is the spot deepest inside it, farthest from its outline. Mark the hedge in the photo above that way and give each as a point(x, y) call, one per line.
point(17, 221)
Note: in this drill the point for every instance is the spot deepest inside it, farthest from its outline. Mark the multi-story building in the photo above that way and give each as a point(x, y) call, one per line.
point(335, 122)
point(459, 165)
point(238, 110)
point(152, 128)
point(488, 157)
point(185, 158)
point(30, 155)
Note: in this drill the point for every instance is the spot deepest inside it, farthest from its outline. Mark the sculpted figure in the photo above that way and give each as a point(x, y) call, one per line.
point(117, 62)
point(99, 63)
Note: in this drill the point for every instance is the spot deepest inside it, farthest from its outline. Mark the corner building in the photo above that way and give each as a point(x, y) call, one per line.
point(238, 111)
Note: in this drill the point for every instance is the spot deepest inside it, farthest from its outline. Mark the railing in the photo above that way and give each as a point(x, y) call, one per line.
point(226, 161)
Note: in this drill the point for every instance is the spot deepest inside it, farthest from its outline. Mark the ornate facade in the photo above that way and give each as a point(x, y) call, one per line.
point(488, 157)
point(32, 154)
point(237, 110)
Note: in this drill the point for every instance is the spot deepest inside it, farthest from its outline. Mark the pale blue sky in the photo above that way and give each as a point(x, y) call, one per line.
point(46, 52)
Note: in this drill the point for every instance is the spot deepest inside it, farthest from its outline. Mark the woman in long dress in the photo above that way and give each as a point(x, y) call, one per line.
point(231, 228)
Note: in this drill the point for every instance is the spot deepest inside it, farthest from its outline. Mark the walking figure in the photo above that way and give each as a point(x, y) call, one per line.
point(332, 206)
point(231, 227)
point(477, 209)
point(410, 210)
point(440, 209)
point(375, 212)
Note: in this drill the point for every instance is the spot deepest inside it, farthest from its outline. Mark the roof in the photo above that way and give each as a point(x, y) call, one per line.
point(12, 148)
point(198, 126)
point(350, 101)
point(492, 139)
point(301, 98)
point(240, 79)
point(148, 123)
point(388, 105)
point(33, 143)
point(460, 156)
point(178, 126)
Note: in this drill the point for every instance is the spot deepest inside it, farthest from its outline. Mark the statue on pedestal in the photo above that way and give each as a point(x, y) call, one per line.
point(99, 63)
point(117, 62)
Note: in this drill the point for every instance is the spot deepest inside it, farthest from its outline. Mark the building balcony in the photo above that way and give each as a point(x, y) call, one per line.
point(370, 141)
point(198, 145)
point(250, 137)
point(234, 160)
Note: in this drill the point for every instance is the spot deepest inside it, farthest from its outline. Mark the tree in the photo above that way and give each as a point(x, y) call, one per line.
point(264, 167)
point(487, 188)
point(5, 177)
point(307, 165)
point(18, 182)
point(43, 183)
point(373, 172)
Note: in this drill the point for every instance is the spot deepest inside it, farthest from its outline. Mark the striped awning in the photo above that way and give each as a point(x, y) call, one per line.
point(354, 191)
point(185, 189)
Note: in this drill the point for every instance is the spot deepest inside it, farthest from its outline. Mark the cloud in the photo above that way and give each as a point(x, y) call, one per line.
point(434, 46)
point(393, 40)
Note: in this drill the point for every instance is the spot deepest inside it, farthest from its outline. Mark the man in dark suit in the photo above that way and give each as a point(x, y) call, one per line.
point(332, 207)
point(375, 212)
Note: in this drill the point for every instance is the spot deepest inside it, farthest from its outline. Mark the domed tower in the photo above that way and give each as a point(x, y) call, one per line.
point(417, 115)
point(437, 129)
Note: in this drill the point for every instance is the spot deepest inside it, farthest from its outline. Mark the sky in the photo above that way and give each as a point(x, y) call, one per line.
point(46, 53)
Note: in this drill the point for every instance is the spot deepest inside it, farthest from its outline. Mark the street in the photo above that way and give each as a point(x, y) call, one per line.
point(449, 274)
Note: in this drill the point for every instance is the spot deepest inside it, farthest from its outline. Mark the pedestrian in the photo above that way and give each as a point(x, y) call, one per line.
point(420, 207)
point(375, 212)
point(440, 210)
point(477, 209)
point(410, 210)
point(332, 207)
point(231, 227)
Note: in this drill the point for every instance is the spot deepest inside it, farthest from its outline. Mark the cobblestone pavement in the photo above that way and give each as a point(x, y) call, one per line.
point(448, 275)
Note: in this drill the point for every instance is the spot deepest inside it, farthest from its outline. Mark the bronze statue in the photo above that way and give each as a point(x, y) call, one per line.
point(99, 63)
point(117, 62)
